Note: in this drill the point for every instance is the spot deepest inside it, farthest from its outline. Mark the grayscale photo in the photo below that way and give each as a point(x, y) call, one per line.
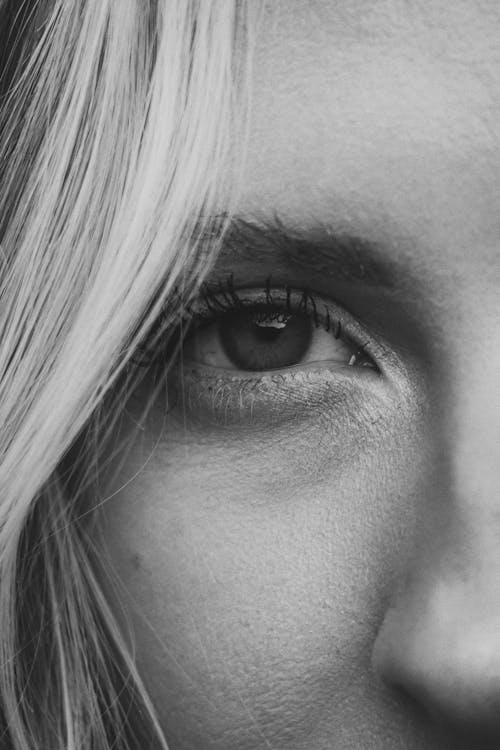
point(249, 375)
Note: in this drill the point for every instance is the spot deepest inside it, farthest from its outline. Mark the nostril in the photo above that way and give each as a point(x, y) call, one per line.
point(462, 733)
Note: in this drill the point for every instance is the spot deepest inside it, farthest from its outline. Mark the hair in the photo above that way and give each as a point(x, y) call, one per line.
point(116, 127)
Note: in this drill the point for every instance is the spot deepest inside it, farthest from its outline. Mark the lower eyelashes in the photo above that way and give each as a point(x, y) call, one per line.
point(267, 401)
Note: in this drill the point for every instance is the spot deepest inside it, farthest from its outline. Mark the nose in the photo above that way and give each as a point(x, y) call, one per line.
point(440, 639)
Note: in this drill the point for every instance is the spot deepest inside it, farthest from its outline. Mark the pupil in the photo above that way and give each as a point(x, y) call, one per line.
point(254, 341)
point(267, 333)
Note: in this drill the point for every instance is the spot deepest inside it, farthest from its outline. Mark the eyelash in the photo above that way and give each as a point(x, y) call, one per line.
point(228, 300)
point(221, 298)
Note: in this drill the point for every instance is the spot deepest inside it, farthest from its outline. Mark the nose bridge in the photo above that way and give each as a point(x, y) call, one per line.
point(473, 425)
point(463, 503)
point(469, 438)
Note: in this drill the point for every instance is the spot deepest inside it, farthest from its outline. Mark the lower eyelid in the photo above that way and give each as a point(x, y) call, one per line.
point(271, 399)
point(319, 368)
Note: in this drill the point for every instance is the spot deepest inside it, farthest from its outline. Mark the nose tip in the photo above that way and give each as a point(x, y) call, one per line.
point(449, 664)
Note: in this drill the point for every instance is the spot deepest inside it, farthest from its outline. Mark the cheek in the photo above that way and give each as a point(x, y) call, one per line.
point(256, 570)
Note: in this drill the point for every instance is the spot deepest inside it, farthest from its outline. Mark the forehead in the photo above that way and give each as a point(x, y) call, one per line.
point(382, 114)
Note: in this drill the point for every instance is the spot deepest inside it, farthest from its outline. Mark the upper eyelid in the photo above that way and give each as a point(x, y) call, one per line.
point(270, 293)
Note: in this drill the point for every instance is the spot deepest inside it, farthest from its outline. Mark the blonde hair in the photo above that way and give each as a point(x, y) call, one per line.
point(115, 125)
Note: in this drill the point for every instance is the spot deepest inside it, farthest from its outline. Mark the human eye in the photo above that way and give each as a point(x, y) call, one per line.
point(255, 332)
point(265, 351)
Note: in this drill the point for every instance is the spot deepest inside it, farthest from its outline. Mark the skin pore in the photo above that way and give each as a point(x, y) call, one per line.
point(313, 561)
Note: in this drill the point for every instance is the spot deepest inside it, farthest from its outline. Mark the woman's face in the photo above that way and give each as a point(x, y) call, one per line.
point(307, 524)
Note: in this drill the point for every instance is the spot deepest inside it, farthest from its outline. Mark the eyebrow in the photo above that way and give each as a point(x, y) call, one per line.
point(338, 255)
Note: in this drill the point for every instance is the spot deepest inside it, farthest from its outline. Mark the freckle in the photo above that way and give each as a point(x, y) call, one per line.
point(136, 561)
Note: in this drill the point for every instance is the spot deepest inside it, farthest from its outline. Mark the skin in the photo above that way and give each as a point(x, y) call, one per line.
point(328, 576)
